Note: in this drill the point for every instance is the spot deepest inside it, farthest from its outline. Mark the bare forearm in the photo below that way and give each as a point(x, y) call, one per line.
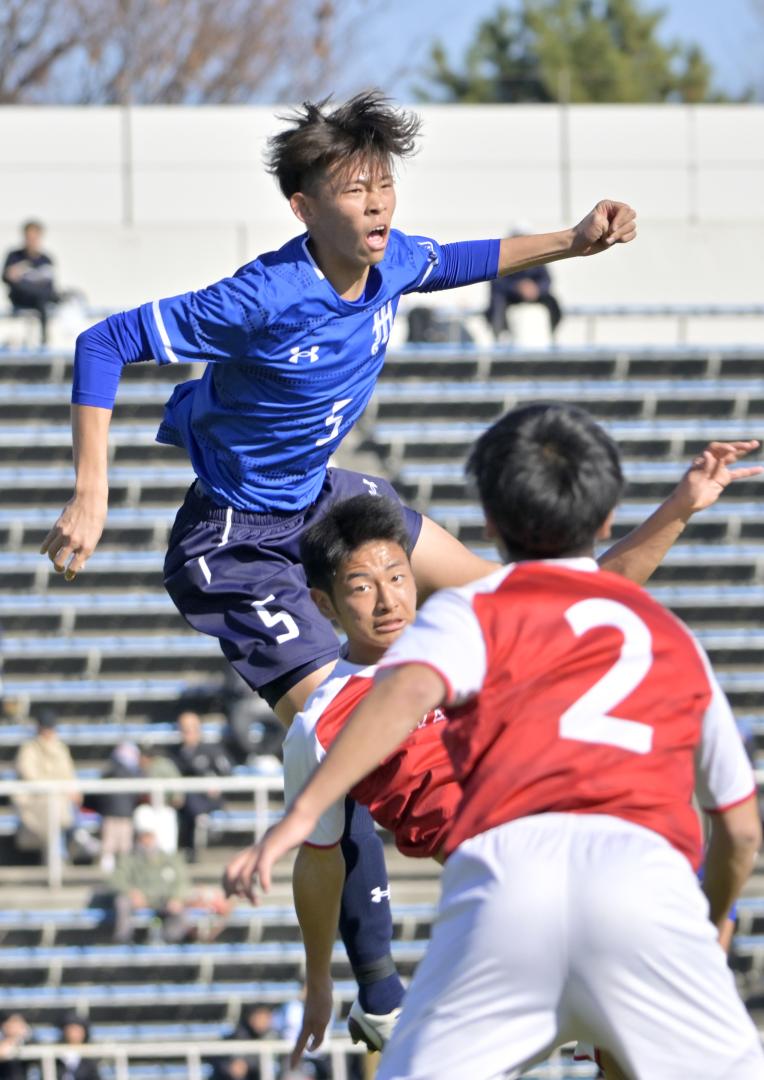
point(638, 554)
point(735, 840)
point(317, 880)
point(90, 445)
point(380, 723)
point(523, 252)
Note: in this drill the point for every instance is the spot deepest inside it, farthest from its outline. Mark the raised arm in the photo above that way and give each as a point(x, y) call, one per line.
point(638, 554)
point(609, 223)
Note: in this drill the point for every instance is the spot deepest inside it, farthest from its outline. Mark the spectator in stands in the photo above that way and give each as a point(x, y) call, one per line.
point(45, 757)
point(116, 808)
point(196, 758)
point(28, 273)
point(530, 286)
point(256, 1022)
point(15, 1032)
point(72, 1065)
point(155, 766)
point(149, 878)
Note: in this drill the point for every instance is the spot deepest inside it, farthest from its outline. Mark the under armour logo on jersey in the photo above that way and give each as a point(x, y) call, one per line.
point(372, 486)
point(378, 895)
point(296, 352)
point(383, 324)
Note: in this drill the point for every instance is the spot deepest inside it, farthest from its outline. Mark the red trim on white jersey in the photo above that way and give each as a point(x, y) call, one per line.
point(413, 792)
point(581, 694)
point(729, 806)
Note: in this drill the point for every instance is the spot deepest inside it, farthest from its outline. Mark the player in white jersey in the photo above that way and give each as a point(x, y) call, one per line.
point(570, 906)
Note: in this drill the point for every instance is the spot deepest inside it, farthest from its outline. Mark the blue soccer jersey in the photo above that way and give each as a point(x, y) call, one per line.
point(292, 364)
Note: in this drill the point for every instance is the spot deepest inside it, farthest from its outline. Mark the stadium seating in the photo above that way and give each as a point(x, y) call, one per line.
point(110, 653)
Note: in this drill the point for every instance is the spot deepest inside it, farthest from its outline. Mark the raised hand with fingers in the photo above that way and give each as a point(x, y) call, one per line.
point(711, 472)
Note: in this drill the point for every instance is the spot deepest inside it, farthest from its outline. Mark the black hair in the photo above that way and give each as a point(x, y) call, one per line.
point(547, 476)
point(345, 526)
point(33, 223)
point(365, 128)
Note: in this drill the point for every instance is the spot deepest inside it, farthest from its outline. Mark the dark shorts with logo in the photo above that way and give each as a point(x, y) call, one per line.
point(237, 576)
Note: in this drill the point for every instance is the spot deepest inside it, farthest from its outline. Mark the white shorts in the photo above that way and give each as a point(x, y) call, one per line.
point(572, 926)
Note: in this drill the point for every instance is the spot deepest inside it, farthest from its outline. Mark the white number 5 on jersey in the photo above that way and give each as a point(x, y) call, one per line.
point(277, 618)
point(589, 718)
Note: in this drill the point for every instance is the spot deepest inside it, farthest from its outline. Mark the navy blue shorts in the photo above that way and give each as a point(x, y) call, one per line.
point(237, 577)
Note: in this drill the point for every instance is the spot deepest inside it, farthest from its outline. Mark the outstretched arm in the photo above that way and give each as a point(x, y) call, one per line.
point(388, 713)
point(639, 553)
point(609, 223)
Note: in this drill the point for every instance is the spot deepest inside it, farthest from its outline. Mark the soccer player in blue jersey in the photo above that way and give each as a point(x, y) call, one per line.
point(294, 342)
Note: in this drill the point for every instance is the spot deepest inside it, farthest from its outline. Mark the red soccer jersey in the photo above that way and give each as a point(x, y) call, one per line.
point(582, 694)
point(413, 792)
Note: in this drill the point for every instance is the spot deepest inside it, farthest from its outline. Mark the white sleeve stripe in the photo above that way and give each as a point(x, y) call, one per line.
point(427, 273)
point(162, 329)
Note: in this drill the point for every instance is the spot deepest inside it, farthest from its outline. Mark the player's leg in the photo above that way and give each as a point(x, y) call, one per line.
point(483, 1001)
point(650, 981)
point(236, 576)
point(441, 561)
point(366, 924)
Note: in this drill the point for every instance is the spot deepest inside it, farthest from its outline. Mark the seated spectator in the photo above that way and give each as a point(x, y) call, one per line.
point(256, 1022)
point(530, 286)
point(195, 758)
point(155, 766)
point(28, 273)
point(14, 1033)
point(72, 1066)
point(150, 878)
point(116, 808)
point(45, 757)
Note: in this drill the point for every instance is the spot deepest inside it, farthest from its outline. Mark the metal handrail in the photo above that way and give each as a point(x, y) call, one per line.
point(266, 1049)
point(260, 788)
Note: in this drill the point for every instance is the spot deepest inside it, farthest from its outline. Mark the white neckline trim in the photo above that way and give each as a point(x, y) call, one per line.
point(319, 272)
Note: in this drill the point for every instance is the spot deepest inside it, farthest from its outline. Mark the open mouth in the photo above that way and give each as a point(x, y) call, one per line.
point(376, 238)
point(390, 626)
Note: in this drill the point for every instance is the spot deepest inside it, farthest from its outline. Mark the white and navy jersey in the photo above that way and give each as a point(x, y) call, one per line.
point(579, 694)
point(292, 364)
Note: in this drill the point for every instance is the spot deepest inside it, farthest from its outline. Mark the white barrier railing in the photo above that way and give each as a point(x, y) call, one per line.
point(260, 787)
point(267, 1050)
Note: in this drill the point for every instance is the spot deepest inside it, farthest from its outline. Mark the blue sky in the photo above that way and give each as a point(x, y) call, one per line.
point(730, 32)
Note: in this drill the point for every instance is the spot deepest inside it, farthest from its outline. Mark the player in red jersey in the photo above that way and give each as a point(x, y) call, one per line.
point(569, 902)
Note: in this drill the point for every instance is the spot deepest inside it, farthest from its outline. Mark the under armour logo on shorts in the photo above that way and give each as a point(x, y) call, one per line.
point(378, 895)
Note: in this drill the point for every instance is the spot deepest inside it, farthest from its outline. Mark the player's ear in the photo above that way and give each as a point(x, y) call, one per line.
point(606, 528)
point(301, 207)
point(323, 602)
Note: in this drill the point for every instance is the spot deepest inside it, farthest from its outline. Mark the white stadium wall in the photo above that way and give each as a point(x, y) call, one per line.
point(155, 201)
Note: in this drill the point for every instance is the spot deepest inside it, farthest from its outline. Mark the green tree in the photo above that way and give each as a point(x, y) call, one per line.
point(574, 50)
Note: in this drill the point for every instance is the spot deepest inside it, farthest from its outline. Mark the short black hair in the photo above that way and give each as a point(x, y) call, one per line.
point(344, 527)
point(547, 476)
point(365, 128)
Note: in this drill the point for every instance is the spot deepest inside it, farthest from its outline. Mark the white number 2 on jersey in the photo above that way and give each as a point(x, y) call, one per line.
point(277, 618)
point(589, 719)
